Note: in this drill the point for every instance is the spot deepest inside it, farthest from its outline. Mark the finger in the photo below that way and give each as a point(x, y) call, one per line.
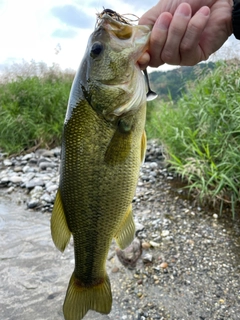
point(143, 61)
point(190, 51)
point(150, 17)
point(177, 29)
point(158, 38)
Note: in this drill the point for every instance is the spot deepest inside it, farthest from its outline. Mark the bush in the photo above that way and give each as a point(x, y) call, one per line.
point(201, 134)
point(33, 101)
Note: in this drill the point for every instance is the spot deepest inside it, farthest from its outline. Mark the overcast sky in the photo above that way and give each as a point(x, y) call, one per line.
point(54, 30)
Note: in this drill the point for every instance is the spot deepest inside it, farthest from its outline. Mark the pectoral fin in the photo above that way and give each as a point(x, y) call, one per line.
point(126, 231)
point(59, 228)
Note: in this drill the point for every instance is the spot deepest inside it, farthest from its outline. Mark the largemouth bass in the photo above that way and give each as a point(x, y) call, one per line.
point(102, 149)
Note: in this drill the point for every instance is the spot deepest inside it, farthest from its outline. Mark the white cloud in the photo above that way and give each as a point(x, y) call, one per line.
point(30, 30)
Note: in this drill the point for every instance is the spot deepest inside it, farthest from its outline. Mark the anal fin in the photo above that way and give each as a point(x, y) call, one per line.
point(59, 228)
point(79, 299)
point(126, 231)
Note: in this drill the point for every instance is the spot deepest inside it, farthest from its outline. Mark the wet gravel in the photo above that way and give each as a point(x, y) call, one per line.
point(184, 263)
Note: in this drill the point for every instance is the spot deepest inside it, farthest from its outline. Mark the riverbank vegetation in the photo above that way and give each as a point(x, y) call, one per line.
point(33, 100)
point(201, 135)
point(199, 128)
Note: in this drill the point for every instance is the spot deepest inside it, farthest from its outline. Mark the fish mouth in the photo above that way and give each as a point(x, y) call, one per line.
point(120, 29)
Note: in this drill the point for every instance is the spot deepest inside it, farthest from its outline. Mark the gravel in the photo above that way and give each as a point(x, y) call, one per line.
point(183, 264)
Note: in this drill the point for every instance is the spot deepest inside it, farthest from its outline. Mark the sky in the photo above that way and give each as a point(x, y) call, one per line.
point(56, 31)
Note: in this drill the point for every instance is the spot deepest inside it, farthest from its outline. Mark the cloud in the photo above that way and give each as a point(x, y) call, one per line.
point(64, 33)
point(141, 4)
point(72, 16)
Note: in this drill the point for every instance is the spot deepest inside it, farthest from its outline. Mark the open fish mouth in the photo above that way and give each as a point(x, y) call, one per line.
point(120, 30)
point(115, 23)
point(115, 17)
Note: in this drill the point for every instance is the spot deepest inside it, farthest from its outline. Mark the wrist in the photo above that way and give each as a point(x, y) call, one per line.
point(236, 18)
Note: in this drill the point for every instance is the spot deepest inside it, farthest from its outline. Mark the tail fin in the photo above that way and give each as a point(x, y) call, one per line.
point(81, 299)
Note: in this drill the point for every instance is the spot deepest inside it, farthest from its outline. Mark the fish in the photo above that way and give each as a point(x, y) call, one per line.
point(103, 146)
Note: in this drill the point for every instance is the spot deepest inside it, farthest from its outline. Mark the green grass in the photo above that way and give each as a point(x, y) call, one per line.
point(33, 101)
point(201, 134)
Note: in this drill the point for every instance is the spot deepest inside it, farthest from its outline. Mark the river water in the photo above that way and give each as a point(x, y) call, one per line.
point(33, 274)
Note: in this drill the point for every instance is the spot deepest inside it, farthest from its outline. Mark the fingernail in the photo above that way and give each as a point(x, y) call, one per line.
point(184, 10)
point(163, 22)
point(204, 11)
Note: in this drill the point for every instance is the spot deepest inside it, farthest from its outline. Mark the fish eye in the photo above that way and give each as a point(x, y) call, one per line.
point(96, 49)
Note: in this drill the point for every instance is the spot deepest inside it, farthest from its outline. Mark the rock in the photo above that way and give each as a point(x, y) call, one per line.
point(34, 182)
point(146, 245)
point(46, 197)
point(33, 203)
point(48, 153)
point(16, 179)
point(5, 180)
point(10, 190)
point(36, 190)
point(115, 269)
point(44, 165)
point(147, 258)
point(154, 244)
point(27, 156)
point(27, 168)
point(153, 165)
point(39, 152)
point(163, 265)
point(139, 227)
point(7, 162)
point(131, 254)
point(52, 188)
point(165, 233)
point(56, 151)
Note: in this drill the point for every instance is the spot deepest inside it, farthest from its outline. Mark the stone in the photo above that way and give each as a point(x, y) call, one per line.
point(148, 257)
point(165, 233)
point(7, 162)
point(48, 153)
point(115, 269)
point(34, 182)
point(129, 256)
point(154, 244)
point(163, 265)
point(44, 165)
point(27, 157)
point(52, 188)
point(33, 203)
point(46, 197)
point(146, 245)
point(16, 179)
point(10, 190)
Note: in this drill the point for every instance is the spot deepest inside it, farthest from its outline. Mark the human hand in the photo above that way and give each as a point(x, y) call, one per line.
point(185, 33)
